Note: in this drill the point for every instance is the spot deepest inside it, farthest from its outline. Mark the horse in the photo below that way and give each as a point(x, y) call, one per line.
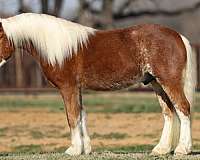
point(74, 57)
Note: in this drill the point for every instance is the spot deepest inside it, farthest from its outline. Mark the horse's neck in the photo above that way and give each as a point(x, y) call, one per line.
point(27, 48)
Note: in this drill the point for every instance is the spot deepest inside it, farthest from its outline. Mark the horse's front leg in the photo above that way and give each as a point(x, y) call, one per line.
point(76, 120)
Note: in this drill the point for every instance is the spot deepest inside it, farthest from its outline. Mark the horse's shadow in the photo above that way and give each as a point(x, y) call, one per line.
point(195, 153)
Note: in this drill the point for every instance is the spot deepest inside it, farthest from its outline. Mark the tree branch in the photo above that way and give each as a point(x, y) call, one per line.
point(157, 12)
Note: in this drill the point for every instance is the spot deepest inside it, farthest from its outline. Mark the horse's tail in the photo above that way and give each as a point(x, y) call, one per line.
point(190, 76)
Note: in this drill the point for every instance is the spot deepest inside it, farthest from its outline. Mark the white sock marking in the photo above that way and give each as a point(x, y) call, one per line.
point(76, 140)
point(86, 138)
point(185, 141)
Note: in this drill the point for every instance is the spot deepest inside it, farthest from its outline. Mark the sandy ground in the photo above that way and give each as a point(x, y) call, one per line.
point(50, 130)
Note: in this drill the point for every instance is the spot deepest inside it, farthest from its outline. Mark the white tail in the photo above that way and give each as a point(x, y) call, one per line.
point(190, 77)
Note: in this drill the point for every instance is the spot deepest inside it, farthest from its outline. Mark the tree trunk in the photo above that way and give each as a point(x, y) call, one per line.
point(44, 4)
point(18, 67)
point(38, 77)
point(57, 7)
point(18, 61)
point(84, 15)
point(108, 13)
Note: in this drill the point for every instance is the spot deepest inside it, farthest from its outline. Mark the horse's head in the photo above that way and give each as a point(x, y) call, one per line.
point(6, 49)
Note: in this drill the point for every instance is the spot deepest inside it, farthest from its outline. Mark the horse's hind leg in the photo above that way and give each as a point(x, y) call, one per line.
point(177, 96)
point(182, 107)
point(170, 131)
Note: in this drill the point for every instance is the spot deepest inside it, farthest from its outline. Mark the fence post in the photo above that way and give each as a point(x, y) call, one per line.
point(18, 69)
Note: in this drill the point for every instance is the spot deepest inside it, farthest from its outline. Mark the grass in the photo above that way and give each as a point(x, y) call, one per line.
point(127, 149)
point(2, 131)
point(37, 134)
point(28, 149)
point(96, 103)
point(111, 102)
point(105, 153)
point(112, 135)
point(149, 135)
point(100, 102)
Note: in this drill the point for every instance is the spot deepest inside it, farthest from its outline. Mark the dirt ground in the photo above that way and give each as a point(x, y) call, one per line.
point(50, 130)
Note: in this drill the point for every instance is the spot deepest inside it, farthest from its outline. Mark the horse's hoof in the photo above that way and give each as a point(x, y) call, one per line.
point(159, 150)
point(87, 146)
point(87, 149)
point(73, 151)
point(182, 150)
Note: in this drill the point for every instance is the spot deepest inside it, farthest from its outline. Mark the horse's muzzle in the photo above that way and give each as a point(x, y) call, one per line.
point(3, 61)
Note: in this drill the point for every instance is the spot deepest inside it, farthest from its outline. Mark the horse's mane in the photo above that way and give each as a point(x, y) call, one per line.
point(54, 38)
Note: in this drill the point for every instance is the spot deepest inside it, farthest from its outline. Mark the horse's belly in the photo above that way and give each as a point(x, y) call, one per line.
point(110, 81)
point(107, 87)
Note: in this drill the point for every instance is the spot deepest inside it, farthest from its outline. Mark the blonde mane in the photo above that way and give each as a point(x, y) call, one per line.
point(54, 38)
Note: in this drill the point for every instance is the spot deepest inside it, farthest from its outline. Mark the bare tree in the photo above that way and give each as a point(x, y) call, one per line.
point(19, 70)
point(57, 7)
point(18, 60)
point(44, 5)
point(84, 14)
point(121, 14)
point(107, 14)
point(21, 6)
point(91, 17)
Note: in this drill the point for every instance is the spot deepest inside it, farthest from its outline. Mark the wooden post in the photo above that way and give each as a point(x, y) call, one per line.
point(38, 77)
point(18, 69)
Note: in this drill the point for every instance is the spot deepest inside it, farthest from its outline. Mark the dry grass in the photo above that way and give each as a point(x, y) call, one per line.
point(35, 124)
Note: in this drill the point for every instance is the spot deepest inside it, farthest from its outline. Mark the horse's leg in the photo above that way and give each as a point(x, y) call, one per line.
point(182, 107)
point(177, 96)
point(170, 133)
point(86, 138)
point(73, 111)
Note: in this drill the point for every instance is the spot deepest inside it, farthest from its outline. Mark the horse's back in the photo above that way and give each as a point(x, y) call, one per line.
point(119, 58)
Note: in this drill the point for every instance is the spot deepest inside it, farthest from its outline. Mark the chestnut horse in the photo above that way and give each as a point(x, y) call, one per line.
point(74, 57)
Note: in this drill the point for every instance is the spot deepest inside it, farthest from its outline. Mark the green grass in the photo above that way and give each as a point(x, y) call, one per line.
point(2, 131)
point(98, 102)
point(112, 135)
point(28, 149)
point(37, 134)
point(111, 102)
point(51, 134)
point(127, 149)
point(104, 153)
point(149, 135)
point(22, 102)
